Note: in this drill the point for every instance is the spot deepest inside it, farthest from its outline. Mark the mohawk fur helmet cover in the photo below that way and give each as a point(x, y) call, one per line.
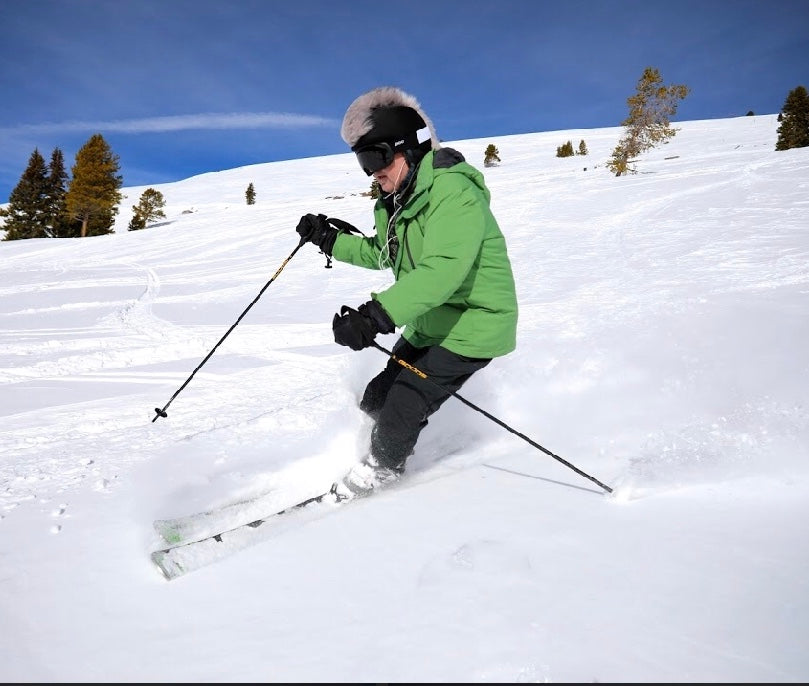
point(388, 114)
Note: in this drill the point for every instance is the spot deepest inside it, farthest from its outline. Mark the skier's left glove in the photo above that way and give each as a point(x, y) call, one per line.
point(358, 328)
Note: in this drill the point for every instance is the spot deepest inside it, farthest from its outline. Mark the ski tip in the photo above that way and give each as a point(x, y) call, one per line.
point(170, 567)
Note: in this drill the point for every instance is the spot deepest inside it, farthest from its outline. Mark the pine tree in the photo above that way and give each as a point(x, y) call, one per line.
point(582, 148)
point(27, 211)
point(138, 221)
point(565, 150)
point(376, 190)
point(149, 207)
point(93, 196)
point(58, 222)
point(648, 122)
point(250, 194)
point(794, 129)
point(491, 156)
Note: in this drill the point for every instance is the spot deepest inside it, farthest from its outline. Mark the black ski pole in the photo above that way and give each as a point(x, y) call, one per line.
point(162, 412)
point(420, 373)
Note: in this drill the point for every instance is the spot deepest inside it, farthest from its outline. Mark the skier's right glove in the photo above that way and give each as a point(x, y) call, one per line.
point(322, 231)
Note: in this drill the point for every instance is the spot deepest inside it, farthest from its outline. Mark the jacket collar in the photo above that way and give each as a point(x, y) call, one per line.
point(417, 197)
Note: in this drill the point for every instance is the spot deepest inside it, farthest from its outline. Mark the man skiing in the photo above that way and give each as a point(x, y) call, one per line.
point(453, 296)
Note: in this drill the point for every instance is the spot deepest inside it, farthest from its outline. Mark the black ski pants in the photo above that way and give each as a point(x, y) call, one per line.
point(400, 401)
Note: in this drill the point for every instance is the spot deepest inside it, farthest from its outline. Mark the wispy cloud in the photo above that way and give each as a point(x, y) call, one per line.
point(182, 122)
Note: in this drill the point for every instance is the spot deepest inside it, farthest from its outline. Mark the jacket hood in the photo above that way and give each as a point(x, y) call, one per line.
point(363, 116)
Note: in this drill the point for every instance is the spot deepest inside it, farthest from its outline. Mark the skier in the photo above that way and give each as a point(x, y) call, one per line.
point(453, 296)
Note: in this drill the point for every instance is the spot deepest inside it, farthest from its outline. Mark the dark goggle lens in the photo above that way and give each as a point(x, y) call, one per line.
point(372, 158)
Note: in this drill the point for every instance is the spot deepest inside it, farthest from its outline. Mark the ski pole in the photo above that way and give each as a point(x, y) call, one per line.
point(162, 412)
point(421, 374)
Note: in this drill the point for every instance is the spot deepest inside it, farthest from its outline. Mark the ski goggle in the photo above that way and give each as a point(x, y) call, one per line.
point(374, 157)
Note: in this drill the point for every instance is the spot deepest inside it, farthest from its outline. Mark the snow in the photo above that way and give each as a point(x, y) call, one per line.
point(662, 350)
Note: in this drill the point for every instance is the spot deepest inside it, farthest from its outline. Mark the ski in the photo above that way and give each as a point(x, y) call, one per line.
point(201, 525)
point(179, 559)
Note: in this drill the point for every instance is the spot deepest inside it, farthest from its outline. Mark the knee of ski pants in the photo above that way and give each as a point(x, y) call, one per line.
point(410, 400)
point(376, 392)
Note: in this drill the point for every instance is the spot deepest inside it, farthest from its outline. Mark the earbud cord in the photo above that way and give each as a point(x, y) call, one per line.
point(384, 255)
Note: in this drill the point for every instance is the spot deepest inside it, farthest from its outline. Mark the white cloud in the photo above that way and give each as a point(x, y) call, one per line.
point(181, 122)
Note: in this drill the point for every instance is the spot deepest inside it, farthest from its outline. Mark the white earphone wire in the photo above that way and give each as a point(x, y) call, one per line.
point(390, 234)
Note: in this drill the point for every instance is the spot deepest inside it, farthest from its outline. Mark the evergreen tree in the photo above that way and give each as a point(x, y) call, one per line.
point(137, 222)
point(376, 190)
point(582, 148)
point(565, 150)
point(27, 211)
point(794, 129)
point(149, 207)
point(94, 195)
point(250, 194)
point(491, 156)
point(648, 121)
point(58, 222)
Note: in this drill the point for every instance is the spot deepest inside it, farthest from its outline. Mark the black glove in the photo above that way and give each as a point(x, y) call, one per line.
point(322, 231)
point(358, 328)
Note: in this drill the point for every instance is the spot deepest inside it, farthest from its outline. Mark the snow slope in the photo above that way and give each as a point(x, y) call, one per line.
point(662, 349)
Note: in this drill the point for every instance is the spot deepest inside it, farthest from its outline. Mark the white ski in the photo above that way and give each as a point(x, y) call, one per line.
point(179, 559)
point(201, 525)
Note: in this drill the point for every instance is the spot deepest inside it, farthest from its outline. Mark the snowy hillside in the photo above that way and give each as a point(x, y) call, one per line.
point(662, 348)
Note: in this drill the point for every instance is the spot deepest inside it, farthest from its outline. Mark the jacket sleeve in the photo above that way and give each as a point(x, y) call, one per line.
point(362, 251)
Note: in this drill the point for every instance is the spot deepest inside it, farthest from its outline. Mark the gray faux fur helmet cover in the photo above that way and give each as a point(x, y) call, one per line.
point(358, 121)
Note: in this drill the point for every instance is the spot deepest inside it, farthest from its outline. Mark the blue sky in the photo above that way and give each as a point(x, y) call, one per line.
point(272, 79)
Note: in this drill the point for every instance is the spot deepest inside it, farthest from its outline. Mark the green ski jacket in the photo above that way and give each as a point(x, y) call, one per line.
point(454, 286)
